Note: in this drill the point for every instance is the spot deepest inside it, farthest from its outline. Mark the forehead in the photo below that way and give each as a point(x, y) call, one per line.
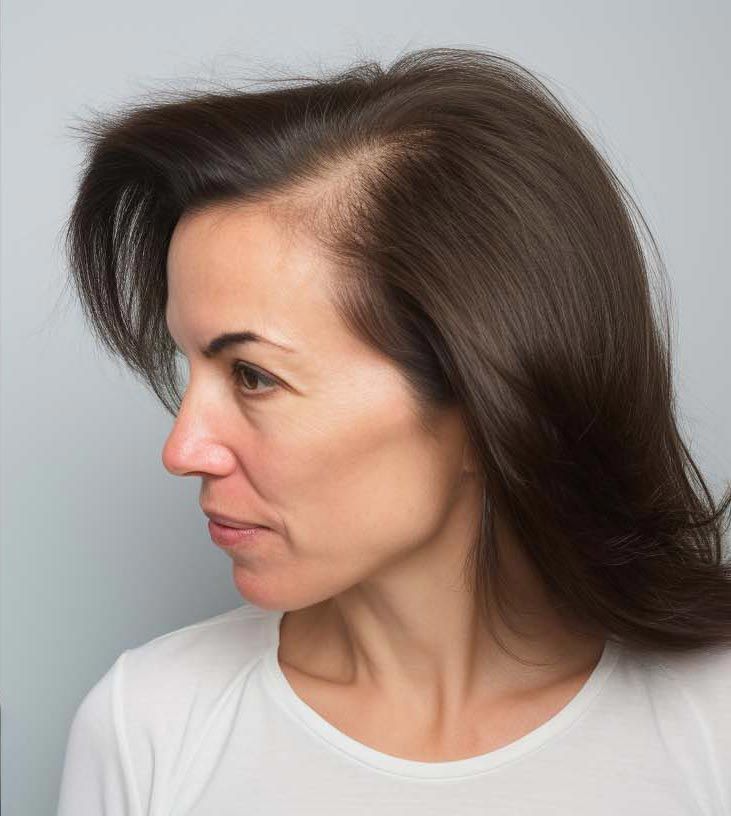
point(238, 267)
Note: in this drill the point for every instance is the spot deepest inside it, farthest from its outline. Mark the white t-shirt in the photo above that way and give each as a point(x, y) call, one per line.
point(202, 722)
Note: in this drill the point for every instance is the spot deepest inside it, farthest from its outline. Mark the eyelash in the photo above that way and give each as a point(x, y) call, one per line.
point(238, 367)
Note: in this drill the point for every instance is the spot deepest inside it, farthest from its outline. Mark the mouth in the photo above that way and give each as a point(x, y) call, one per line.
point(236, 537)
point(234, 524)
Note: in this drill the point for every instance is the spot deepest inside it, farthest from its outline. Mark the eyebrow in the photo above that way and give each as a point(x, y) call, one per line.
point(223, 341)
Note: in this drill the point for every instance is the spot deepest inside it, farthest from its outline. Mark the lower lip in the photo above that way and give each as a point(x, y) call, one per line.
point(231, 536)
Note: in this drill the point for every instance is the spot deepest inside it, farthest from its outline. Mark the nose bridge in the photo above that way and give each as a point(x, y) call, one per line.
point(186, 418)
point(192, 444)
point(198, 402)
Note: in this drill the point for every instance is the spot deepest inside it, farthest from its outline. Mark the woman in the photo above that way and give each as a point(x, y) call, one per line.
point(432, 413)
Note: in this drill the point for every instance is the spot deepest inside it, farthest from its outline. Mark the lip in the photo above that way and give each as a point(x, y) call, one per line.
point(226, 536)
point(229, 521)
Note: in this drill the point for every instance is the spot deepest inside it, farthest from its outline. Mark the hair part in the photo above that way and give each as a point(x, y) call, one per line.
point(485, 246)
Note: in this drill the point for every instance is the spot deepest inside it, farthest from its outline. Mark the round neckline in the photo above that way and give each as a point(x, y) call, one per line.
point(468, 766)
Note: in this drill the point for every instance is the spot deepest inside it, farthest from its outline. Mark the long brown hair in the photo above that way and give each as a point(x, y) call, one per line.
point(490, 251)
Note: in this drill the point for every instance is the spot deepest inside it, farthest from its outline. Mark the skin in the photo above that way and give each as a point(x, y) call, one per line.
point(370, 517)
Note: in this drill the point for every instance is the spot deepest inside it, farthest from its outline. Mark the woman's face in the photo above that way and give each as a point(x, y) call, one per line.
point(327, 452)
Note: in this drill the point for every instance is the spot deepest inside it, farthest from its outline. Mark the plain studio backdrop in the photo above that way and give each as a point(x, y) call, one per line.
point(102, 549)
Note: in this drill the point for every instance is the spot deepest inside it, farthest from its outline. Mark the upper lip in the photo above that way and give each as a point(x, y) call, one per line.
point(229, 521)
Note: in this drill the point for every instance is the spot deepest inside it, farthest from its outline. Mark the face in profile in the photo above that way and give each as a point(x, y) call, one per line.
point(321, 442)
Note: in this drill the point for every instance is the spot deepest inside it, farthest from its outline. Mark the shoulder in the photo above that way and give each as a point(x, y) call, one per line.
point(703, 675)
point(221, 643)
point(198, 661)
point(146, 713)
point(150, 683)
point(697, 680)
point(171, 690)
point(690, 696)
point(162, 670)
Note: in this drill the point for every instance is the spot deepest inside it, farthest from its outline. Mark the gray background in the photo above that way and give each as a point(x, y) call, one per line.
point(102, 549)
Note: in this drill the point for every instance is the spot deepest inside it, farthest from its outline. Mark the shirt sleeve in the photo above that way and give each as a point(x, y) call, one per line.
point(97, 777)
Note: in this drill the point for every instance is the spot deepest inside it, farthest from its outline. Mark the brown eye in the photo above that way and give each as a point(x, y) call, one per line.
point(247, 377)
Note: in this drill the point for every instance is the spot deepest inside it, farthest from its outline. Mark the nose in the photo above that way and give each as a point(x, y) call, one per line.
point(192, 448)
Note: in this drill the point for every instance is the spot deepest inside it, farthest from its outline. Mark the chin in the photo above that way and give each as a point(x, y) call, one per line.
point(272, 593)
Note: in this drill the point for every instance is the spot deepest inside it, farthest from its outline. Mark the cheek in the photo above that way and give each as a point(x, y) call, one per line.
point(358, 484)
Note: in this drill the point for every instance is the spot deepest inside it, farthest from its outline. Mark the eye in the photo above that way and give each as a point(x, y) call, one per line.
point(243, 373)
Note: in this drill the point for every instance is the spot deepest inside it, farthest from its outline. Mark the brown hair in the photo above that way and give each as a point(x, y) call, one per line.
point(488, 249)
